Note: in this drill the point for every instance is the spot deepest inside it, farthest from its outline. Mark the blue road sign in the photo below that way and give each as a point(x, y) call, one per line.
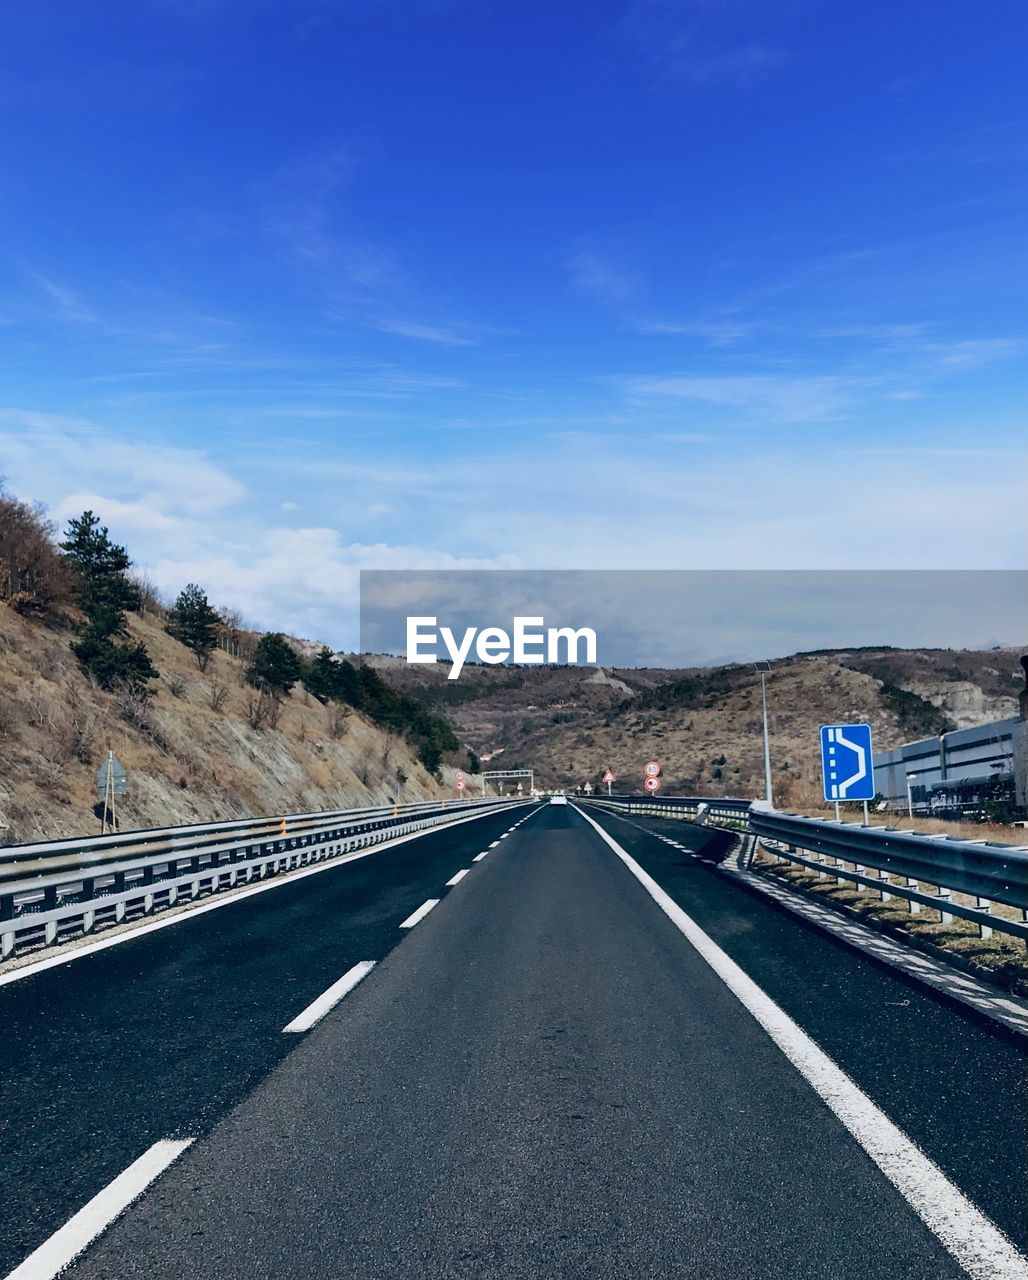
point(846, 762)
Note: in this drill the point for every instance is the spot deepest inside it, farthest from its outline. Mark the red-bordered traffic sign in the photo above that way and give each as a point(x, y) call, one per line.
point(651, 768)
point(609, 777)
point(651, 784)
point(460, 784)
point(458, 775)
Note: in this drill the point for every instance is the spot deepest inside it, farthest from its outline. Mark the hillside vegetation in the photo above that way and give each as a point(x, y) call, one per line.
point(190, 750)
point(703, 724)
point(210, 720)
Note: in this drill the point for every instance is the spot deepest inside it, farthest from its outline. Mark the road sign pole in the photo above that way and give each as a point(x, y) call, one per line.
point(838, 812)
point(767, 745)
point(608, 788)
point(866, 818)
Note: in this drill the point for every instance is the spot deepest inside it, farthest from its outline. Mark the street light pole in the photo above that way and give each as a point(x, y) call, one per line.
point(764, 668)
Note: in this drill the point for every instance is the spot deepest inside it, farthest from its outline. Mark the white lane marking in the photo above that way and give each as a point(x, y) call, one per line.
point(317, 1009)
point(79, 1231)
point(458, 877)
point(225, 898)
point(420, 914)
point(974, 1240)
point(479, 856)
point(494, 844)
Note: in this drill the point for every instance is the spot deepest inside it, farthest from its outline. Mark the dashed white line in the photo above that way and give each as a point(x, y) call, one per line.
point(494, 844)
point(479, 856)
point(458, 877)
point(55, 1254)
point(420, 914)
point(225, 898)
point(330, 998)
point(974, 1240)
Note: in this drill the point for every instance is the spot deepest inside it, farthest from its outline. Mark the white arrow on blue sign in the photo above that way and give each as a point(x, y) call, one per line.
point(846, 762)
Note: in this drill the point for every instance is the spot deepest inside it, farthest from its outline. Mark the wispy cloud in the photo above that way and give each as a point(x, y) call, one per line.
point(716, 333)
point(425, 333)
point(599, 275)
point(68, 304)
point(757, 396)
point(702, 45)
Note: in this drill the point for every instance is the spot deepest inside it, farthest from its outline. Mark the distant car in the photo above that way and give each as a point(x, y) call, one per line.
point(558, 799)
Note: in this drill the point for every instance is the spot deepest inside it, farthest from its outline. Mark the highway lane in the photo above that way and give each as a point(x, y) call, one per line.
point(954, 1082)
point(160, 1035)
point(545, 1079)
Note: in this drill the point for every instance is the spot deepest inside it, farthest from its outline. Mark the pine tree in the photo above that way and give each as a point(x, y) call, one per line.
point(275, 666)
point(105, 591)
point(319, 675)
point(101, 566)
point(194, 622)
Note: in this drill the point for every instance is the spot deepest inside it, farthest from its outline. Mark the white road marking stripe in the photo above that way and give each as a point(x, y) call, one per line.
point(494, 844)
point(224, 898)
point(78, 1232)
point(977, 1243)
point(479, 856)
point(420, 914)
point(330, 998)
point(458, 877)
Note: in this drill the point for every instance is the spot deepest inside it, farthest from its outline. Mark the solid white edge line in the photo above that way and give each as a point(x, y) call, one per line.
point(80, 1231)
point(974, 1240)
point(224, 899)
point(458, 877)
point(317, 1009)
point(420, 914)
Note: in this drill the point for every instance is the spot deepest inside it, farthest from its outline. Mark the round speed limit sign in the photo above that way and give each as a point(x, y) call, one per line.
point(651, 768)
point(651, 784)
point(459, 784)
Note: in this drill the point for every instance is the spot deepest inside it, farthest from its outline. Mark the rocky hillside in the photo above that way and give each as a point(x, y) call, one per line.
point(191, 753)
point(703, 724)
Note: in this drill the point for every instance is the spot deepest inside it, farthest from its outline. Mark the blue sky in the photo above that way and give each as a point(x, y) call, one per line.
point(294, 287)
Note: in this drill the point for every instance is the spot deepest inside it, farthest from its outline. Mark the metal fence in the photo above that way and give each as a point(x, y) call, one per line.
point(925, 870)
point(54, 890)
point(922, 870)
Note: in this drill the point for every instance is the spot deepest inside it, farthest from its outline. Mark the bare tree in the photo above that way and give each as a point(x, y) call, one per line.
point(150, 600)
point(257, 706)
point(338, 717)
point(34, 577)
point(217, 694)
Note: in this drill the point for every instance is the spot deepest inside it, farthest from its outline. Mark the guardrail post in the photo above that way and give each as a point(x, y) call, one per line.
point(984, 904)
point(944, 895)
point(915, 907)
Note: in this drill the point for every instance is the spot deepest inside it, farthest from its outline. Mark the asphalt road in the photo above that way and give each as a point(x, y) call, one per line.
point(160, 1036)
point(544, 1079)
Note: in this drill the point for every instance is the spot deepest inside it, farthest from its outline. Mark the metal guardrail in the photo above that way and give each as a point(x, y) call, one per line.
point(924, 870)
point(717, 810)
point(60, 888)
point(871, 856)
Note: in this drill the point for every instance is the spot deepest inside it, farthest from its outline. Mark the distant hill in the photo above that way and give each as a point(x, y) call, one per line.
point(703, 724)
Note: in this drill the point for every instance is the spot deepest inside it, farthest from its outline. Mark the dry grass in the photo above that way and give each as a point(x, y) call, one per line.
point(191, 754)
point(1001, 959)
